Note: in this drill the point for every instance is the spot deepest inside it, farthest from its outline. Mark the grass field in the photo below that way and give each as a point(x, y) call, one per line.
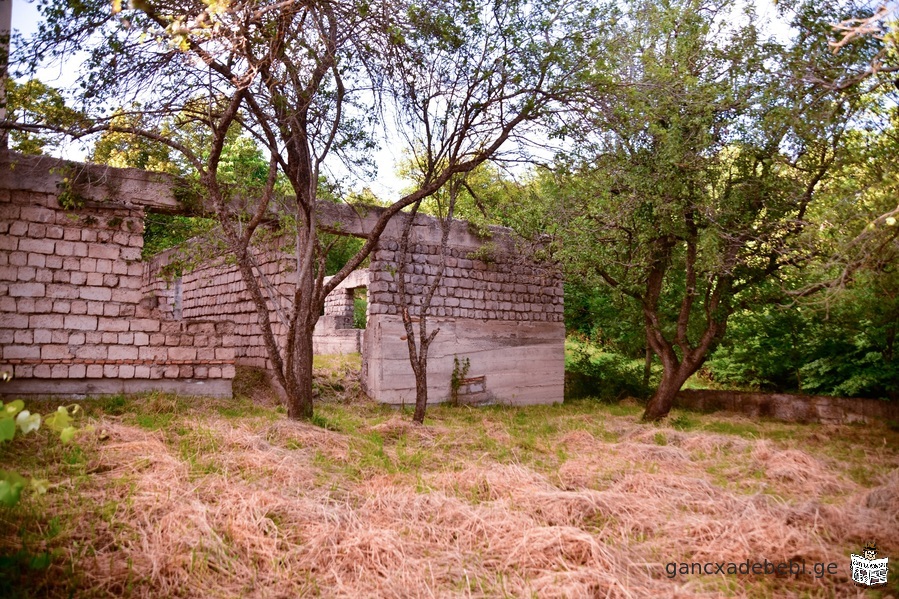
point(178, 497)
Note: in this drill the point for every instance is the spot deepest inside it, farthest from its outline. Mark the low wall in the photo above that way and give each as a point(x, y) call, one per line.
point(791, 408)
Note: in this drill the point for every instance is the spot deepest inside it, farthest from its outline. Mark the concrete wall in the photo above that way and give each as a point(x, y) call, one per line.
point(73, 317)
point(791, 408)
point(495, 307)
point(521, 362)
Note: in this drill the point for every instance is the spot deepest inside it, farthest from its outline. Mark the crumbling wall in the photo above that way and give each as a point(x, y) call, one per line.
point(498, 309)
point(73, 317)
point(214, 290)
point(790, 407)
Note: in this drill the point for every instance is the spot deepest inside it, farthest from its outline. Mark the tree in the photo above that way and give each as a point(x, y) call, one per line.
point(411, 310)
point(38, 103)
point(698, 161)
point(481, 196)
point(307, 81)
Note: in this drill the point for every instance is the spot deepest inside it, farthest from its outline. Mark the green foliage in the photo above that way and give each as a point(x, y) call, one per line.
point(13, 417)
point(360, 308)
point(604, 375)
point(342, 249)
point(842, 339)
point(165, 231)
point(847, 350)
point(129, 150)
point(460, 371)
point(35, 103)
point(606, 318)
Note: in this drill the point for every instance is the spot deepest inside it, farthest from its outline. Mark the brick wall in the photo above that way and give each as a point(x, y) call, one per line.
point(73, 318)
point(214, 290)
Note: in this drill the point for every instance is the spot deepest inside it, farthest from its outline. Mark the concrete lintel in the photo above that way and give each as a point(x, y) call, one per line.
point(359, 221)
point(127, 187)
point(82, 388)
point(357, 278)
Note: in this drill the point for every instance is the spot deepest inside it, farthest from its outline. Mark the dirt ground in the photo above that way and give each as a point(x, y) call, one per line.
point(164, 496)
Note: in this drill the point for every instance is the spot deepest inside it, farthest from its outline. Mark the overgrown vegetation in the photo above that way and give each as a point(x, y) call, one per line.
point(176, 496)
point(593, 370)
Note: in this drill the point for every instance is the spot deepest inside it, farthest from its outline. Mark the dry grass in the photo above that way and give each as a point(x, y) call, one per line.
point(171, 497)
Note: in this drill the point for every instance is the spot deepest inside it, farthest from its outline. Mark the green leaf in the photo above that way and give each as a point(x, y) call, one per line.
point(28, 422)
point(67, 434)
point(13, 407)
point(11, 485)
point(7, 429)
point(59, 419)
point(40, 485)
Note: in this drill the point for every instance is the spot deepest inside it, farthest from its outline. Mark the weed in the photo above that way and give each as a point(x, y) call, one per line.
point(682, 422)
point(324, 422)
point(460, 371)
point(154, 421)
point(740, 429)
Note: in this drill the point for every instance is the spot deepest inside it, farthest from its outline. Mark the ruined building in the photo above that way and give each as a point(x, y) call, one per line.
point(81, 314)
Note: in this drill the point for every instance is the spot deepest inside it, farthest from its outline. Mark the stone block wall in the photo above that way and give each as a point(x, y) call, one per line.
point(214, 290)
point(497, 309)
point(789, 407)
point(496, 306)
point(73, 317)
point(501, 285)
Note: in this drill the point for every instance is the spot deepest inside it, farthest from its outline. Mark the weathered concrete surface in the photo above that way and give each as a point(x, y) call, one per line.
point(359, 221)
point(121, 187)
point(521, 362)
point(337, 341)
point(790, 408)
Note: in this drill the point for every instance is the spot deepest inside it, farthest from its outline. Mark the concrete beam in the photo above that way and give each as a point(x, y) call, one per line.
point(128, 187)
point(359, 221)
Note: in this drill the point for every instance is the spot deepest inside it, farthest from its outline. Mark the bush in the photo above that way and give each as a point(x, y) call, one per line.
point(607, 376)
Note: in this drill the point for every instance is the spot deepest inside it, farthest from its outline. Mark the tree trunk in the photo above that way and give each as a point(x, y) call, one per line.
point(299, 362)
point(647, 367)
point(299, 397)
point(421, 391)
point(662, 400)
